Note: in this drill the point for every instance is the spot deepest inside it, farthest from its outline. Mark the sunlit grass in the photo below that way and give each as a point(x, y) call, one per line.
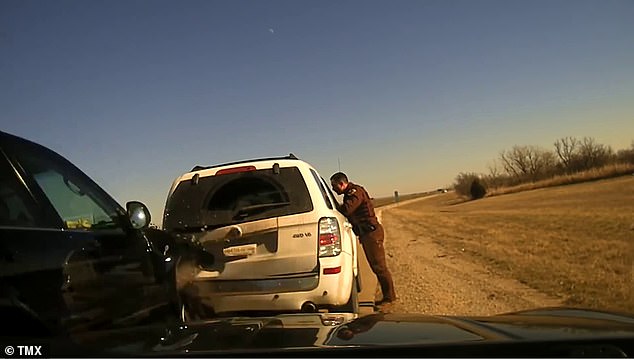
point(574, 242)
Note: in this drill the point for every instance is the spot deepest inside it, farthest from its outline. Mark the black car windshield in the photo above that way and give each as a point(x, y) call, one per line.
point(79, 202)
point(216, 201)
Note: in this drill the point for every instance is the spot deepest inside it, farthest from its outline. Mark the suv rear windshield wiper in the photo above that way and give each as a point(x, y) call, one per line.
point(245, 211)
point(240, 214)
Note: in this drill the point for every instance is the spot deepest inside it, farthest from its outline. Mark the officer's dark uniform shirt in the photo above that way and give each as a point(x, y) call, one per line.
point(357, 207)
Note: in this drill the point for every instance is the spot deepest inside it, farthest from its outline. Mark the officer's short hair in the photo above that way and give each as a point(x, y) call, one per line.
point(339, 177)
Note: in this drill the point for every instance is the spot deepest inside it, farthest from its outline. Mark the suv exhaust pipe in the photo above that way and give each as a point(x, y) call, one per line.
point(309, 307)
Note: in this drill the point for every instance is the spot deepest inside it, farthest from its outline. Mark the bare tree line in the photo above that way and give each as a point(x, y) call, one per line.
point(524, 164)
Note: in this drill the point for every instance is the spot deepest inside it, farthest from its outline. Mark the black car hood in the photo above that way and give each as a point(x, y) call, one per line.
point(300, 334)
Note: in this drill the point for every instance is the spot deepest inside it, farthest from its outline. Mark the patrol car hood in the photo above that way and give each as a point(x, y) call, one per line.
point(543, 332)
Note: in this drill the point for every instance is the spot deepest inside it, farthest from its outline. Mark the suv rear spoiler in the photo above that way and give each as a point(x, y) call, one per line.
point(289, 157)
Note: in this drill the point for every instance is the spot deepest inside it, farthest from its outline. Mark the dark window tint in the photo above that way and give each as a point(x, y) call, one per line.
point(322, 189)
point(77, 201)
point(77, 210)
point(15, 203)
point(226, 199)
point(245, 192)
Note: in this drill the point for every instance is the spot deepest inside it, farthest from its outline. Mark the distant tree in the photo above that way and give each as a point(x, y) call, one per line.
point(592, 155)
point(494, 172)
point(496, 177)
point(566, 149)
point(477, 190)
point(522, 164)
point(462, 184)
point(514, 162)
point(527, 162)
point(626, 155)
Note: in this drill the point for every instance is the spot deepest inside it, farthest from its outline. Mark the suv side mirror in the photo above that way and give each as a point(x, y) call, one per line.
point(138, 214)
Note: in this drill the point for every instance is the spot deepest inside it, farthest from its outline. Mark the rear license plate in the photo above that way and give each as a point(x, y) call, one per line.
point(245, 250)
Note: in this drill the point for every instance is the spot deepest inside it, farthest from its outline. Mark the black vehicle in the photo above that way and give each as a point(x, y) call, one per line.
point(546, 332)
point(70, 257)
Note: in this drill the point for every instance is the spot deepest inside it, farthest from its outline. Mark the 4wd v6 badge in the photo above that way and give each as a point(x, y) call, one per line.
point(302, 235)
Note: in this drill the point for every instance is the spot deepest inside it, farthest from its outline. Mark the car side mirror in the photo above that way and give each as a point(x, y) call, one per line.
point(138, 214)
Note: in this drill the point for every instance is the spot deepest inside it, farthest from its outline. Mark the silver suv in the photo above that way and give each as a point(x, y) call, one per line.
point(268, 238)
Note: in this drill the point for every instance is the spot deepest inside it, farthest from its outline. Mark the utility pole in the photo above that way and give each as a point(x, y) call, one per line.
point(339, 164)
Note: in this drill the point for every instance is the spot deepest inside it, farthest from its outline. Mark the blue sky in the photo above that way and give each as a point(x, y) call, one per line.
point(406, 94)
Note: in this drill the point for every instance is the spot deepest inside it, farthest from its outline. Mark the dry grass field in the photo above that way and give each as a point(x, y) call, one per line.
point(574, 242)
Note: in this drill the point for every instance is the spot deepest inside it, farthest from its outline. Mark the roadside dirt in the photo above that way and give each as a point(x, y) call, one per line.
point(433, 280)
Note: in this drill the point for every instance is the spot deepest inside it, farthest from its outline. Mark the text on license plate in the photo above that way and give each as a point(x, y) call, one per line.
point(245, 250)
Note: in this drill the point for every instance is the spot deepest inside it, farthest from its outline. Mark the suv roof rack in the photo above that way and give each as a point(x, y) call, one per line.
point(289, 157)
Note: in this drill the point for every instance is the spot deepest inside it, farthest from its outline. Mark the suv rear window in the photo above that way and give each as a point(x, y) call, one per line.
point(221, 200)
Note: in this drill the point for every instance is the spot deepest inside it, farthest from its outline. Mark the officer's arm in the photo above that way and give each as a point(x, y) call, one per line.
point(350, 203)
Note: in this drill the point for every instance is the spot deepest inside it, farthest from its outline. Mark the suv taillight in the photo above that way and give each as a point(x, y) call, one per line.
point(329, 238)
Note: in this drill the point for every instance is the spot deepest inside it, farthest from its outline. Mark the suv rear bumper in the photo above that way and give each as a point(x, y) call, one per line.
point(330, 290)
point(261, 286)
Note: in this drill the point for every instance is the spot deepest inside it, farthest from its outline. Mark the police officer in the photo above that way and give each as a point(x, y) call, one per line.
point(358, 208)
